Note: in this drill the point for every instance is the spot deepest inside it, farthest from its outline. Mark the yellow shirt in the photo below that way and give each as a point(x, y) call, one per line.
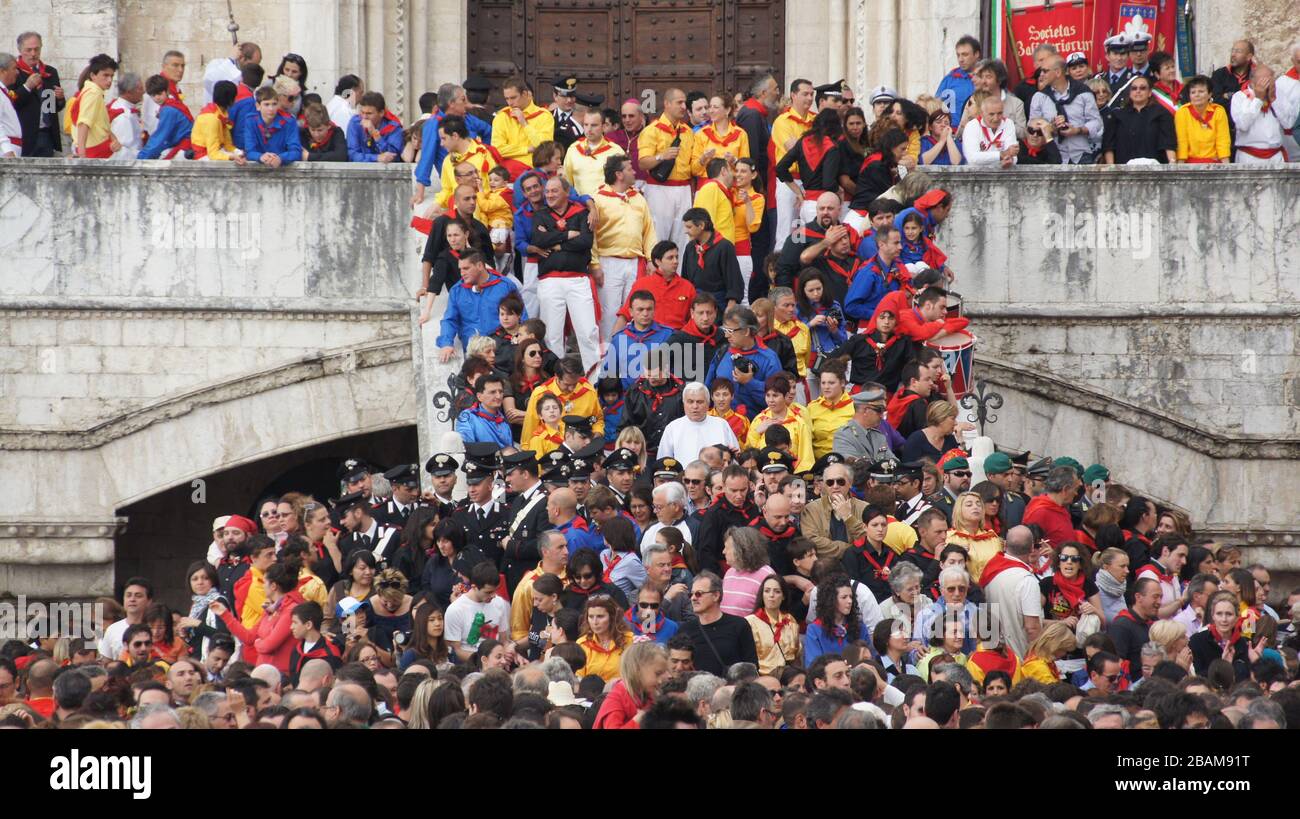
point(914, 144)
point(800, 437)
point(93, 113)
point(625, 228)
point(801, 337)
point(826, 421)
point(601, 662)
point(1036, 668)
point(521, 605)
point(658, 137)
point(516, 141)
point(493, 208)
point(545, 439)
point(1197, 141)
point(584, 166)
point(736, 143)
point(789, 125)
point(211, 134)
point(253, 599)
point(582, 401)
point(716, 199)
point(477, 155)
point(981, 550)
point(745, 228)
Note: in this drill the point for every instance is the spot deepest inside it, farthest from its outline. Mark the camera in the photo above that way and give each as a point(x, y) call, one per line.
point(742, 364)
point(836, 314)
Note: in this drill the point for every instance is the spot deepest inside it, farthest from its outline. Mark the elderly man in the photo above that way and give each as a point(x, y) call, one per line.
point(124, 113)
point(862, 437)
point(1261, 119)
point(563, 287)
point(670, 509)
point(990, 139)
point(720, 639)
point(1070, 107)
point(1012, 591)
point(1051, 510)
point(37, 96)
point(954, 588)
point(990, 78)
point(562, 511)
point(676, 597)
point(685, 437)
point(348, 706)
point(698, 497)
point(834, 521)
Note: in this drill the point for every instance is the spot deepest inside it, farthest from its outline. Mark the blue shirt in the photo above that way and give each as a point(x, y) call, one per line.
point(954, 90)
point(867, 246)
point(361, 148)
point(751, 396)
point(626, 357)
point(432, 153)
point(477, 425)
point(926, 219)
point(924, 627)
point(240, 110)
point(823, 340)
point(869, 286)
point(280, 137)
point(581, 538)
point(472, 313)
point(818, 641)
point(942, 158)
point(173, 126)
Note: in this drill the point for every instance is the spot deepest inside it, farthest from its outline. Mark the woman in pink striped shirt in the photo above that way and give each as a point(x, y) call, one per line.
point(746, 554)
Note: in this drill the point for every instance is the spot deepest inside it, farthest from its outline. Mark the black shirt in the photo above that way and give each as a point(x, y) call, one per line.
point(870, 364)
point(713, 269)
point(824, 176)
point(333, 149)
point(721, 644)
point(1133, 134)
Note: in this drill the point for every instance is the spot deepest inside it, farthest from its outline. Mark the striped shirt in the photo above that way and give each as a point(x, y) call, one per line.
point(740, 590)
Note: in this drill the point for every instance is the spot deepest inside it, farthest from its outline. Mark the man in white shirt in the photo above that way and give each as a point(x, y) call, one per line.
point(670, 509)
point(228, 68)
point(1012, 591)
point(136, 597)
point(1259, 115)
point(10, 128)
point(685, 437)
point(124, 115)
point(478, 614)
point(346, 101)
point(990, 138)
point(1288, 96)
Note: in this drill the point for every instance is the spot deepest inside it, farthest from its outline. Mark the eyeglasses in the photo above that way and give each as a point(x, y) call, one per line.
point(729, 330)
point(654, 606)
point(849, 100)
point(1070, 559)
point(1114, 678)
point(1034, 131)
point(698, 594)
point(138, 644)
point(693, 481)
point(835, 481)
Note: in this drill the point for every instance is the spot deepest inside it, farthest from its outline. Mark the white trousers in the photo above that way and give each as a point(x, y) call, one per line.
point(786, 207)
point(860, 223)
point(619, 276)
point(529, 294)
point(808, 211)
point(667, 204)
point(571, 296)
point(1244, 158)
point(746, 263)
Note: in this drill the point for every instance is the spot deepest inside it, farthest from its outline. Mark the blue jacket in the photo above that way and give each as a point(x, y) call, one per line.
point(172, 128)
point(926, 219)
point(817, 641)
point(626, 357)
point(239, 111)
point(750, 395)
point(581, 537)
point(870, 285)
point(867, 245)
point(472, 314)
point(613, 419)
point(280, 137)
point(823, 340)
point(432, 153)
point(523, 228)
point(478, 425)
point(361, 148)
point(664, 628)
point(955, 89)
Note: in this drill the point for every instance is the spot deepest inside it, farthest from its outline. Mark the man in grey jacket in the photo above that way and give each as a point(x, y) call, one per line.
point(861, 437)
point(1071, 108)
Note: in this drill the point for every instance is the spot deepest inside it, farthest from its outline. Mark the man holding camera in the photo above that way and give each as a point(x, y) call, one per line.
point(744, 361)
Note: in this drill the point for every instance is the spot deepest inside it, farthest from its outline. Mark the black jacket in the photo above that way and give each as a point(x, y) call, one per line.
point(784, 349)
point(1205, 650)
point(720, 517)
point(1133, 134)
point(1130, 633)
point(446, 269)
point(335, 149)
point(883, 367)
point(521, 554)
point(551, 230)
point(825, 176)
point(875, 177)
point(1049, 154)
point(652, 408)
point(28, 106)
point(690, 334)
point(714, 270)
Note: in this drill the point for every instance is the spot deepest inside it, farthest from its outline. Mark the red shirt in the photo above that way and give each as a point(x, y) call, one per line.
point(672, 299)
point(1052, 518)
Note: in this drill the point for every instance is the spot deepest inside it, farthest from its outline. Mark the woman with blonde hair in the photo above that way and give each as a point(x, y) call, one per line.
point(485, 347)
point(389, 615)
point(417, 716)
point(634, 439)
point(936, 437)
point(1054, 642)
point(1172, 520)
point(1172, 638)
point(641, 670)
point(969, 532)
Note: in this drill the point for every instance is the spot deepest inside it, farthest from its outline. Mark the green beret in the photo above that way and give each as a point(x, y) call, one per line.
point(997, 464)
point(955, 463)
point(1070, 462)
point(1095, 473)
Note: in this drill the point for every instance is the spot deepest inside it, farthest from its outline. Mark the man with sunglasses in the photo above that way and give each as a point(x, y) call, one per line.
point(834, 521)
point(1105, 675)
point(744, 361)
point(1071, 108)
point(862, 437)
point(721, 640)
point(646, 617)
point(1142, 129)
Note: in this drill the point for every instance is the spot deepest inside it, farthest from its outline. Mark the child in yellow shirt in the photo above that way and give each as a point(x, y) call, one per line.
point(549, 434)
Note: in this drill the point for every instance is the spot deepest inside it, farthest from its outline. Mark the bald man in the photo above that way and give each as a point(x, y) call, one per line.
point(1259, 115)
point(562, 511)
point(665, 144)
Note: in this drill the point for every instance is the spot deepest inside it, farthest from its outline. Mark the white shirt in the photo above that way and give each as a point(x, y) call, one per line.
point(868, 608)
point(9, 126)
point(222, 68)
point(460, 618)
point(126, 127)
point(1257, 128)
point(110, 645)
point(649, 536)
point(1288, 96)
point(340, 111)
point(1013, 595)
point(683, 438)
point(984, 146)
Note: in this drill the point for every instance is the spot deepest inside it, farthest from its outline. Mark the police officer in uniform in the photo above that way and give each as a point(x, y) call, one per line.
point(442, 468)
point(907, 489)
point(667, 470)
point(363, 531)
point(396, 511)
point(578, 433)
point(480, 515)
point(354, 474)
point(526, 517)
point(581, 468)
point(555, 468)
point(620, 472)
point(567, 128)
point(1117, 72)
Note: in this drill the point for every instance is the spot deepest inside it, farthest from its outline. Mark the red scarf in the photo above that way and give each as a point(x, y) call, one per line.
point(179, 106)
point(1158, 572)
point(317, 146)
point(733, 134)
point(626, 196)
point(1233, 638)
point(701, 251)
point(1173, 92)
point(40, 68)
point(876, 157)
point(974, 537)
point(777, 627)
point(881, 348)
point(587, 152)
point(847, 275)
point(1071, 590)
point(866, 551)
point(814, 150)
point(731, 200)
point(994, 140)
point(1209, 114)
point(999, 564)
point(657, 397)
point(897, 406)
point(1126, 614)
point(691, 330)
point(1032, 150)
point(618, 558)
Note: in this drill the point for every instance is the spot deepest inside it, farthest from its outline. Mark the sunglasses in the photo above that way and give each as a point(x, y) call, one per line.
point(1071, 559)
point(1034, 131)
point(586, 576)
point(699, 594)
point(959, 473)
point(849, 100)
point(694, 481)
point(654, 606)
point(835, 482)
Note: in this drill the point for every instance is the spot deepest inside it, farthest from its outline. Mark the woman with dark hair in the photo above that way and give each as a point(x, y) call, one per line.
point(821, 312)
point(996, 684)
point(939, 146)
point(428, 638)
point(586, 581)
point(493, 654)
point(640, 506)
point(388, 615)
point(295, 68)
point(1097, 516)
point(447, 699)
point(892, 640)
point(838, 620)
point(327, 559)
point(416, 546)
point(439, 578)
point(853, 149)
point(357, 582)
point(547, 590)
point(817, 158)
point(776, 632)
point(879, 171)
point(1070, 591)
point(605, 634)
point(445, 269)
point(271, 639)
point(526, 374)
point(167, 644)
point(621, 561)
point(869, 562)
point(202, 625)
point(1200, 560)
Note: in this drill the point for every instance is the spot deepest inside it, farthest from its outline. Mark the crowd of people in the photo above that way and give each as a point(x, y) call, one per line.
point(713, 465)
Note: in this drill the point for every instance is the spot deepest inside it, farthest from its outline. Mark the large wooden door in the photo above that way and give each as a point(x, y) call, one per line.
point(627, 48)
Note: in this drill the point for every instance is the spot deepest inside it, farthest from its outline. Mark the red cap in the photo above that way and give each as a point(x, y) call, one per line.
point(930, 198)
point(241, 522)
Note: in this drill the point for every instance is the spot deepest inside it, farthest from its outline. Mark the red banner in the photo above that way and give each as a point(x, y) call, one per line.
point(1158, 19)
point(1068, 26)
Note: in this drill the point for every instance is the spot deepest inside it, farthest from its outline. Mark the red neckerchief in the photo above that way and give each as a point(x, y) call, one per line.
point(268, 129)
point(839, 269)
point(477, 409)
point(316, 146)
point(562, 219)
point(1071, 590)
point(1032, 152)
point(582, 389)
point(657, 397)
point(40, 68)
point(1209, 114)
point(895, 272)
point(679, 562)
point(975, 537)
point(1173, 92)
point(1128, 615)
point(994, 526)
point(640, 335)
point(618, 558)
point(993, 141)
point(876, 157)
point(794, 117)
point(391, 122)
point(614, 407)
point(11, 94)
point(673, 130)
point(814, 150)
point(1128, 535)
point(700, 252)
point(626, 196)
point(528, 384)
point(777, 627)
point(999, 563)
point(898, 404)
point(865, 550)
point(881, 348)
point(243, 92)
point(844, 402)
point(179, 106)
point(1242, 82)
point(760, 524)
point(1293, 73)
point(635, 622)
point(604, 146)
point(213, 108)
point(1234, 637)
point(691, 329)
point(1158, 571)
point(578, 522)
point(594, 644)
point(733, 134)
point(754, 105)
point(492, 280)
point(731, 200)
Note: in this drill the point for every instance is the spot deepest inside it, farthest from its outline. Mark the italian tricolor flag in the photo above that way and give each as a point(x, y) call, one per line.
point(1170, 104)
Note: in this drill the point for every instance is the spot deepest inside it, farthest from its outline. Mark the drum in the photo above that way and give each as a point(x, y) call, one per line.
point(958, 351)
point(954, 305)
